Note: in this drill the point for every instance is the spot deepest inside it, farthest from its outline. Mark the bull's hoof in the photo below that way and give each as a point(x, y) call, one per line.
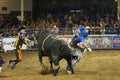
point(45, 71)
point(54, 74)
point(51, 70)
point(73, 72)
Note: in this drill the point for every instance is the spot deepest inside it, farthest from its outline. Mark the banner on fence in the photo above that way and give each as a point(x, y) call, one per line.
point(116, 41)
point(95, 42)
point(0, 41)
point(100, 42)
point(8, 44)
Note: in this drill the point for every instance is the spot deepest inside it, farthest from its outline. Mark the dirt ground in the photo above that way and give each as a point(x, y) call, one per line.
point(98, 65)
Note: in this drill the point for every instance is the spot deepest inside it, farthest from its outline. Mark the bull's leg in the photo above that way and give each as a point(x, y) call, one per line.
point(57, 67)
point(70, 63)
point(51, 66)
point(40, 58)
point(55, 59)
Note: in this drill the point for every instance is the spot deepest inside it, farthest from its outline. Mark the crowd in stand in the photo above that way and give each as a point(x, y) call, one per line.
point(62, 22)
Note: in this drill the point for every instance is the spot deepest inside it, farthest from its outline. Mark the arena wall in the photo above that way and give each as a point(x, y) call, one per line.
point(94, 41)
point(6, 6)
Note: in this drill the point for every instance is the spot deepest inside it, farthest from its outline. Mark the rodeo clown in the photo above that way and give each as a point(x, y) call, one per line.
point(79, 44)
point(21, 39)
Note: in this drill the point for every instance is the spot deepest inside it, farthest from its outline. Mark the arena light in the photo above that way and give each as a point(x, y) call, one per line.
point(116, 0)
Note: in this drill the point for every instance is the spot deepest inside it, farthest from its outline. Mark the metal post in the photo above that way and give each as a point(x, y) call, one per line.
point(117, 6)
point(22, 10)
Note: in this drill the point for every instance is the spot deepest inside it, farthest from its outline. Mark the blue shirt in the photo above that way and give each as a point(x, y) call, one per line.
point(81, 28)
point(81, 33)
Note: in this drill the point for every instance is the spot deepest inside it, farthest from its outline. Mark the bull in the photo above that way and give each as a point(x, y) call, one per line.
point(49, 45)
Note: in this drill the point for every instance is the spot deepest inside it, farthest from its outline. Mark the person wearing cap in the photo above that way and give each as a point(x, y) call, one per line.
point(21, 39)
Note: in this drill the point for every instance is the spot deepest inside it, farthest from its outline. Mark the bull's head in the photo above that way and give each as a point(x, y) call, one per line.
point(77, 54)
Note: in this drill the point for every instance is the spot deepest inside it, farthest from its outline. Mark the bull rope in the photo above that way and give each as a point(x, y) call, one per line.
point(44, 42)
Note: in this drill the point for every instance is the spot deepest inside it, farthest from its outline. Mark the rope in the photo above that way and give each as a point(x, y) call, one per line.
point(44, 42)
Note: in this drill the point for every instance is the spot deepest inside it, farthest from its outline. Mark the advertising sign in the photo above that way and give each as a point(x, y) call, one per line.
point(116, 41)
point(100, 42)
point(8, 44)
point(97, 42)
point(0, 41)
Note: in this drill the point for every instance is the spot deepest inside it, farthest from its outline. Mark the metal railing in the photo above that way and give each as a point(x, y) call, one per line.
point(58, 31)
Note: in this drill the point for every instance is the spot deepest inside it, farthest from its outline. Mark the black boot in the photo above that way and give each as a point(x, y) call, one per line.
point(14, 64)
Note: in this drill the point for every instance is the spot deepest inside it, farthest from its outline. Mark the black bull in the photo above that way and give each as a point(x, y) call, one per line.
point(55, 49)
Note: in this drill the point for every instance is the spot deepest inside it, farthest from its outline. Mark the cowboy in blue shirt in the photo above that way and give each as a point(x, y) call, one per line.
point(80, 35)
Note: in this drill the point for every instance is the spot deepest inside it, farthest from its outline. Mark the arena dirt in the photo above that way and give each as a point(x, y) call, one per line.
point(98, 65)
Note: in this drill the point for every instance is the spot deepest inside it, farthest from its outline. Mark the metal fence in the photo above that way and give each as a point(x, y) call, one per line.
point(57, 31)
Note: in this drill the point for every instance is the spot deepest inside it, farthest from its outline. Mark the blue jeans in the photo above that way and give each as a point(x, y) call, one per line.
point(68, 67)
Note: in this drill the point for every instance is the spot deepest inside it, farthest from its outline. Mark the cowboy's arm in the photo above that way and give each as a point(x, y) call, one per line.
point(26, 41)
point(85, 46)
